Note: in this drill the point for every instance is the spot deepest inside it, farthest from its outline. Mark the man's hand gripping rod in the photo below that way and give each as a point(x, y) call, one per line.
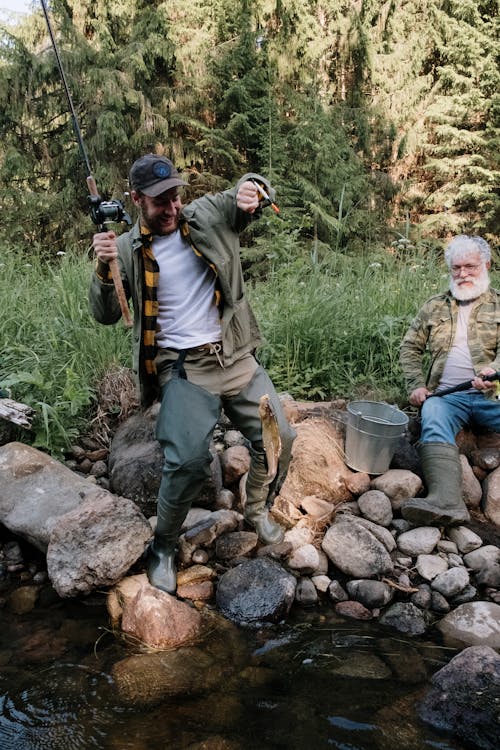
point(102, 212)
point(465, 385)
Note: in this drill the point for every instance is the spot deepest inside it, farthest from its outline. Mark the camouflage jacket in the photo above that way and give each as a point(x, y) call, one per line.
point(433, 331)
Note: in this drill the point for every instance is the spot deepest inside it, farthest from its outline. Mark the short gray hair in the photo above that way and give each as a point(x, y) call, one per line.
point(463, 245)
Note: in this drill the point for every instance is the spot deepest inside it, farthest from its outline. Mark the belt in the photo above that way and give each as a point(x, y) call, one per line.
point(214, 347)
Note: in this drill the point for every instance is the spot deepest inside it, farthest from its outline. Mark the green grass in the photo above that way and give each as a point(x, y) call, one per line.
point(52, 352)
point(331, 328)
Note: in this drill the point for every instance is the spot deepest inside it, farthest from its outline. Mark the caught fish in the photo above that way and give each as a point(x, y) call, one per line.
point(270, 435)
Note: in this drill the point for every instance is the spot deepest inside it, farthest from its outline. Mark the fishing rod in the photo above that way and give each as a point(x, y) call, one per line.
point(102, 212)
point(465, 385)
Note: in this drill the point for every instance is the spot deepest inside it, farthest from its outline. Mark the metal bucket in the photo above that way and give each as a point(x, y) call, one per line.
point(373, 431)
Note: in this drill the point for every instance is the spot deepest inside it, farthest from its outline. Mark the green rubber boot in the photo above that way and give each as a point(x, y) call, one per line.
point(160, 562)
point(443, 505)
point(255, 512)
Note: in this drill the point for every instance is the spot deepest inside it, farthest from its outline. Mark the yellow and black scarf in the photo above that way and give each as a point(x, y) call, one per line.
point(149, 302)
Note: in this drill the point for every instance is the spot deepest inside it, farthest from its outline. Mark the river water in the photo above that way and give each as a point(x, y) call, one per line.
point(316, 681)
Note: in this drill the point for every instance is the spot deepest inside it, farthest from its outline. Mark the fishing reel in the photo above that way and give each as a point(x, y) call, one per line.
point(107, 212)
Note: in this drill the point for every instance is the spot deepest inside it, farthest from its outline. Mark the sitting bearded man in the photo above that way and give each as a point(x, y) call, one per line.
point(460, 331)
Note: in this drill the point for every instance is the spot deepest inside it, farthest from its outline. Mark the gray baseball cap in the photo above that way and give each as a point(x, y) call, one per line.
point(153, 174)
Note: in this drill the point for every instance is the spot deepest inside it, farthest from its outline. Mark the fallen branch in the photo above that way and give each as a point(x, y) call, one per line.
point(13, 411)
point(399, 587)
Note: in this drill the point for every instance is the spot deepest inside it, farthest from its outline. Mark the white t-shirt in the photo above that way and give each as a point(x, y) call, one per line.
point(458, 366)
point(188, 315)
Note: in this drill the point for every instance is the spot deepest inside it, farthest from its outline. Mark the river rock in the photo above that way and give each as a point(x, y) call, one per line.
point(355, 550)
point(257, 590)
point(147, 679)
point(306, 593)
point(305, 560)
point(398, 485)
point(463, 698)
point(95, 544)
point(159, 620)
point(419, 541)
point(36, 491)
point(480, 558)
point(370, 593)
point(376, 507)
point(451, 582)
point(471, 624)
point(405, 617)
point(429, 566)
point(491, 500)
point(465, 539)
point(472, 491)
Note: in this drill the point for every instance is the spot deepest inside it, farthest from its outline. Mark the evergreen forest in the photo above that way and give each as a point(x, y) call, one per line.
point(372, 119)
point(378, 124)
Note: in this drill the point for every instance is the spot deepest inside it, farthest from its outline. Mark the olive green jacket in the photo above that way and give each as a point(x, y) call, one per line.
point(214, 223)
point(433, 331)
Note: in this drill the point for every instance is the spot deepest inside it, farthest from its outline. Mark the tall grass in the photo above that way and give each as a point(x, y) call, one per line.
point(52, 352)
point(332, 328)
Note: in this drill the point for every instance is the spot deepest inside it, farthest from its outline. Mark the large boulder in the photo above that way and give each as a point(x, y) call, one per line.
point(463, 698)
point(94, 545)
point(36, 490)
point(255, 591)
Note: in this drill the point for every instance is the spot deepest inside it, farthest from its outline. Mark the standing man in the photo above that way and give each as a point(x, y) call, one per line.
point(194, 341)
point(460, 332)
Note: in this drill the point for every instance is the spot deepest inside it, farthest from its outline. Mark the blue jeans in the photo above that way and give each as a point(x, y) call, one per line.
point(444, 416)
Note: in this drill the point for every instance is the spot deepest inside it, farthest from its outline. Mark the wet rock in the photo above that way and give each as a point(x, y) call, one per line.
point(463, 698)
point(257, 590)
point(135, 470)
point(159, 620)
point(370, 593)
point(353, 610)
point(23, 599)
point(306, 593)
point(364, 666)
point(405, 617)
point(147, 679)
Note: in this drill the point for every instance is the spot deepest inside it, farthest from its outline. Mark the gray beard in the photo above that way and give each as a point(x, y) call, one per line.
point(480, 285)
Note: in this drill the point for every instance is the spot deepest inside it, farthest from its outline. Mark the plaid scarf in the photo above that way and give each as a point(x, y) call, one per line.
point(151, 272)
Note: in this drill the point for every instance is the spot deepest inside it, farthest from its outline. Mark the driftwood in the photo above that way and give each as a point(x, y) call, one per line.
point(15, 412)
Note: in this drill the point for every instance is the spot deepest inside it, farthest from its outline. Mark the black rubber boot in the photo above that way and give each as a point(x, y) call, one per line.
point(443, 505)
